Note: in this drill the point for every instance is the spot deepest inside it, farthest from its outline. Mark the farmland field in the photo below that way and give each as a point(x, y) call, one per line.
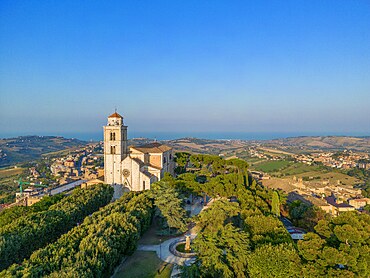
point(4, 173)
point(7, 184)
point(300, 168)
point(272, 166)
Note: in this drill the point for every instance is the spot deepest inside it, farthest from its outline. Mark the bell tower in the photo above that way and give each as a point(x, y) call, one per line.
point(115, 148)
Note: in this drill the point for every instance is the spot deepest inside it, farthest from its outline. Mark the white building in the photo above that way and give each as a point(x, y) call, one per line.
point(132, 168)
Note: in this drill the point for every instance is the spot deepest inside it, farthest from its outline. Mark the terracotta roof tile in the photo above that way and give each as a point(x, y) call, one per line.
point(115, 115)
point(152, 148)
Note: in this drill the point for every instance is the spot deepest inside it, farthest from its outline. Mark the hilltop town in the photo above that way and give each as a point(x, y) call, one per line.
point(332, 173)
point(186, 186)
point(314, 185)
point(335, 178)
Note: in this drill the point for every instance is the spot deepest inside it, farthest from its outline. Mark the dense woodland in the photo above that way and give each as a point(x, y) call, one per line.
point(10, 214)
point(239, 234)
point(95, 247)
point(247, 239)
point(25, 234)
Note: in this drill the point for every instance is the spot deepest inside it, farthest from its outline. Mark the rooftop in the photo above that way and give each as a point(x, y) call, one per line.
point(361, 200)
point(331, 200)
point(115, 115)
point(152, 148)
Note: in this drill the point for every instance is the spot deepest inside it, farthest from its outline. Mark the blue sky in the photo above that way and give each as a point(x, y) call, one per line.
point(185, 66)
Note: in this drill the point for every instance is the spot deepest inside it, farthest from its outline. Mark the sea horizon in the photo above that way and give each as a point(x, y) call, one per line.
point(163, 136)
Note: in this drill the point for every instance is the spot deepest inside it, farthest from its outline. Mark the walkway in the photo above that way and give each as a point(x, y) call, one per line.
point(66, 187)
point(163, 249)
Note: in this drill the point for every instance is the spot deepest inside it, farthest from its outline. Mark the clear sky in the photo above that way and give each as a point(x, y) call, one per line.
point(185, 66)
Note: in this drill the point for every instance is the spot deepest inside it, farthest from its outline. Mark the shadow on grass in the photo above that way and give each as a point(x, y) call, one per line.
point(142, 264)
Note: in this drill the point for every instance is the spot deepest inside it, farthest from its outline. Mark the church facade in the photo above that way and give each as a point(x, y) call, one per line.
point(132, 168)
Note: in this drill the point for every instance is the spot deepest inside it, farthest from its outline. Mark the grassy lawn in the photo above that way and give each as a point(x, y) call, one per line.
point(142, 264)
point(151, 237)
point(272, 166)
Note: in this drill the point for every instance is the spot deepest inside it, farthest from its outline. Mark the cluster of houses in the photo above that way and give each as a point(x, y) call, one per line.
point(343, 160)
point(82, 164)
point(335, 206)
point(34, 173)
point(333, 199)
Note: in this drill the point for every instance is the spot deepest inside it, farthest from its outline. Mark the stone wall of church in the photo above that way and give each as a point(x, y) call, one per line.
point(168, 163)
point(112, 160)
point(135, 180)
point(155, 160)
point(144, 182)
point(112, 169)
point(154, 171)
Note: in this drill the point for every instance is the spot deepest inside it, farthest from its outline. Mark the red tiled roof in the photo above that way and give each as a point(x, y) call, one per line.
point(115, 115)
point(152, 148)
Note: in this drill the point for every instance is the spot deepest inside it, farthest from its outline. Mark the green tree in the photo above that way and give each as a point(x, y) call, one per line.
point(21, 237)
point(223, 253)
point(275, 205)
point(181, 159)
point(367, 208)
point(265, 229)
point(278, 261)
point(94, 248)
point(219, 214)
point(340, 247)
point(169, 206)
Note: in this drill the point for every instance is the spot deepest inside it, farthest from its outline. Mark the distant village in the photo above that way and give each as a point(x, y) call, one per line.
point(83, 164)
point(67, 172)
point(334, 197)
point(340, 160)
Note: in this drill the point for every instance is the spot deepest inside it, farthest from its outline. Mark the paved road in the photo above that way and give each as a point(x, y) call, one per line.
point(196, 208)
point(163, 251)
point(286, 222)
point(66, 187)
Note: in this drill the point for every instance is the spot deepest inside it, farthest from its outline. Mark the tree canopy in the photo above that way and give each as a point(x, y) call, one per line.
point(94, 248)
point(32, 231)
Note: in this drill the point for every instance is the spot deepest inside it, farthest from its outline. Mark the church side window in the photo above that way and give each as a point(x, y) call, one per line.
point(143, 185)
point(112, 149)
point(112, 136)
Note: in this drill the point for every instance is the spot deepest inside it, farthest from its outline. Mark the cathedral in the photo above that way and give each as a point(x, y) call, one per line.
point(132, 168)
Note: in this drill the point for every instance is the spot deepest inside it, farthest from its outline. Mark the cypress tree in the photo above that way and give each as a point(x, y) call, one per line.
point(275, 206)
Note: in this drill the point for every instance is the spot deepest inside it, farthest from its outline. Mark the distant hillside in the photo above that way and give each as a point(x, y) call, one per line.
point(25, 148)
point(292, 145)
point(210, 146)
point(325, 142)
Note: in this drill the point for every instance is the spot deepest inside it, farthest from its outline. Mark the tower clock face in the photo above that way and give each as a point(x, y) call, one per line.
point(126, 173)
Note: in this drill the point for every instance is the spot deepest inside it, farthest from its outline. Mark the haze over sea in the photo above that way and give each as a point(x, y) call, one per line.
point(98, 136)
